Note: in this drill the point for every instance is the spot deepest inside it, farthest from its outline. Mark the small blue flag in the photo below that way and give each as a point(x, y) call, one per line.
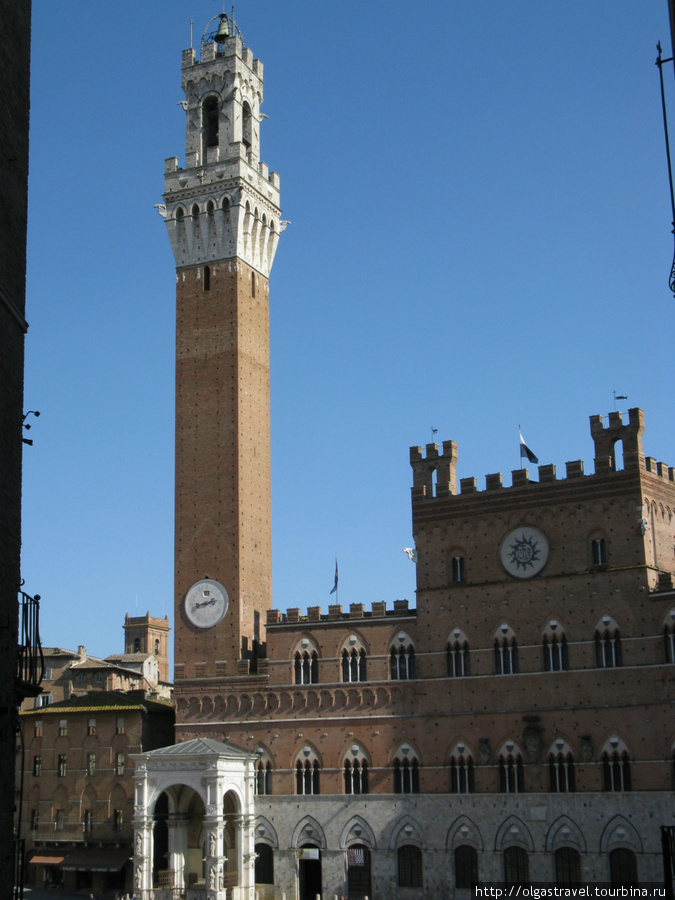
point(336, 577)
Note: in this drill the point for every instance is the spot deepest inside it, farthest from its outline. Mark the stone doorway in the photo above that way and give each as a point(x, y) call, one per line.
point(309, 874)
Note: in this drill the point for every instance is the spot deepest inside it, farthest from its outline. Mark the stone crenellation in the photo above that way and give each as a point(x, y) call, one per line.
point(225, 203)
point(435, 474)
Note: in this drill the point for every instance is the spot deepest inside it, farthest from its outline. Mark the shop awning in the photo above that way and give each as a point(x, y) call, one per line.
point(47, 859)
point(98, 859)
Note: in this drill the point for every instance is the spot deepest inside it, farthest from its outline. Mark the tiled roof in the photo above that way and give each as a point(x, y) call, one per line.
point(201, 747)
point(99, 701)
point(128, 657)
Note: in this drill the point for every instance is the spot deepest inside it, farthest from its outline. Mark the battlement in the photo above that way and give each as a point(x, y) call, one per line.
point(435, 474)
point(606, 439)
point(335, 613)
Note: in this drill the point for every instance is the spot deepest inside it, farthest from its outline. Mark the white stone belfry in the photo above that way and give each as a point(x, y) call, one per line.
point(204, 819)
point(225, 202)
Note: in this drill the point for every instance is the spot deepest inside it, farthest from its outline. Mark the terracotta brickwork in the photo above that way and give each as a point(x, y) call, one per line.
point(148, 634)
point(223, 522)
point(78, 785)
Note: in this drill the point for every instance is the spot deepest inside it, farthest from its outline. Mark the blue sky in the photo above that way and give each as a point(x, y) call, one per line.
point(480, 238)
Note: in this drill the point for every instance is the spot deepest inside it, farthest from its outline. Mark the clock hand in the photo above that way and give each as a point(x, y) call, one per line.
point(210, 602)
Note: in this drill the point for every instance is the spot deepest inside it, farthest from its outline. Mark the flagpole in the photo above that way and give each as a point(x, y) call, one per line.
point(335, 586)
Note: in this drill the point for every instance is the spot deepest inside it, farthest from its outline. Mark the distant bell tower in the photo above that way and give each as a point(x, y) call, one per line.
point(222, 214)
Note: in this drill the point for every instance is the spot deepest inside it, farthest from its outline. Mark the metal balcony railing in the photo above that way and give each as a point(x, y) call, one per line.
point(31, 664)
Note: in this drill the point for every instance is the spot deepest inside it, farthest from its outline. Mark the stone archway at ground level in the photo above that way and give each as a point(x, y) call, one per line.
point(194, 822)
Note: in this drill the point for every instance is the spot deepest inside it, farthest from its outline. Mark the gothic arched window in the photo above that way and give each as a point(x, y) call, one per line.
point(511, 773)
point(306, 667)
point(354, 665)
point(616, 771)
point(506, 656)
point(457, 659)
point(356, 776)
point(561, 772)
point(461, 775)
point(555, 653)
point(307, 771)
point(406, 773)
point(402, 659)
point(608, 648)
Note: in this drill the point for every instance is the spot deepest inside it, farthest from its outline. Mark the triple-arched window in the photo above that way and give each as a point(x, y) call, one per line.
point(402, 659)
point(406, 772)
point(506, 653)
point(616, 771)
point(354, 664)
point(306, 667)
point(608, 645)
point(307, 773)
point(555, 653)
point(511, 771)
point(461, 774)
point(356, 776)
point(561, 770)
point(457, 655)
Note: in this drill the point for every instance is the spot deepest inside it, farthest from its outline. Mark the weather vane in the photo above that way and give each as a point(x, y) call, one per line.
point(619, 397)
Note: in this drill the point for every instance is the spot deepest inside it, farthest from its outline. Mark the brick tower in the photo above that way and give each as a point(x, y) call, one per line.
point(222, 214)
point(148, 634)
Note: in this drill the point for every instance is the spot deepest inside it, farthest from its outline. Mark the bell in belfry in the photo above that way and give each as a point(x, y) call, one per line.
point(223, 32)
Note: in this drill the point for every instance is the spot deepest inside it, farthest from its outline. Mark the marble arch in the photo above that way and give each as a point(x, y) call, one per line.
point(197, 775)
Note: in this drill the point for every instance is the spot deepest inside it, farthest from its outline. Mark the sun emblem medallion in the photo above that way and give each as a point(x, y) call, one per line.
point(524, 552)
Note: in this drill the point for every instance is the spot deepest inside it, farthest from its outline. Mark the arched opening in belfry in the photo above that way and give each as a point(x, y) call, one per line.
point(210, 123)
point(617, 455)
point(246, 123)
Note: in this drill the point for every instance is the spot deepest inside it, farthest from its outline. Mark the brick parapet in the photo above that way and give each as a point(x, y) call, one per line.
point(635, 462)
point(357, 611)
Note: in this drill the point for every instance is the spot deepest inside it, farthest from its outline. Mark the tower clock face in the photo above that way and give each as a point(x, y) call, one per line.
point(206, 603)
point(524, 552)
